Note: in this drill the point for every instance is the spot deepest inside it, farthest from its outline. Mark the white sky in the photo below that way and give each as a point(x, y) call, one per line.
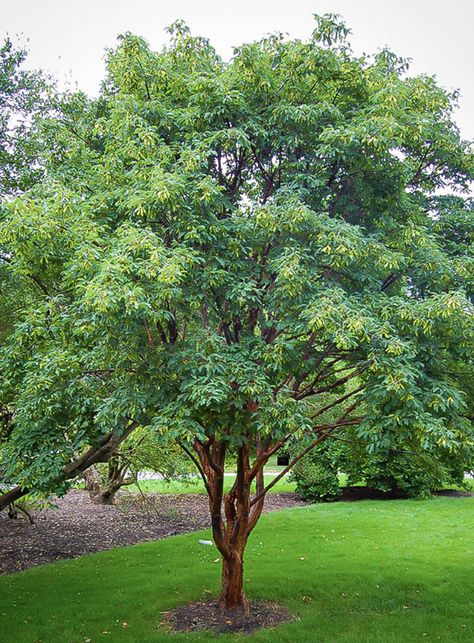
point(68, 37)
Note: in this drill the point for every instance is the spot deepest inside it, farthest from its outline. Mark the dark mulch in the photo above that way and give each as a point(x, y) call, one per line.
point(205, 615)
point(453, 493)
point(77, 527)
point(367, 493)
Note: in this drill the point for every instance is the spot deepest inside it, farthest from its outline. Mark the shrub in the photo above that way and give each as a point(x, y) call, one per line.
point(316, 475)
point(415, 475)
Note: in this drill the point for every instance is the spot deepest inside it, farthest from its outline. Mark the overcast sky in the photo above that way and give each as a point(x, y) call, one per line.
point(68, 37)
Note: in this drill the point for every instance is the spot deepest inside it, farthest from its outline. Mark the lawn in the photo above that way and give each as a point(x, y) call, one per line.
point(368, 571)
point(196, 485)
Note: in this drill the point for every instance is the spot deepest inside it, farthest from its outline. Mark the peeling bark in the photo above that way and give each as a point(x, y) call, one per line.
point(235, 514)
point(232, 517)
point(232, 598)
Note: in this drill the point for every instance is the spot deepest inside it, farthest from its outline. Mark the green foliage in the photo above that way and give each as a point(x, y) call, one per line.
point(23, 98)
point(399, 469)
point(316, 480)
point(143, 451)
point(317, 473)
point(414, 474)
point(216, 246)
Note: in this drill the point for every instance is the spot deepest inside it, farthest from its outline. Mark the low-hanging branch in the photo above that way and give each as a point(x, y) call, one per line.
point(95, 454)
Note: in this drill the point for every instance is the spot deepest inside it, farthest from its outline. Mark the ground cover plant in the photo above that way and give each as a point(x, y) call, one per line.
point(411, 579)
point(240, 256)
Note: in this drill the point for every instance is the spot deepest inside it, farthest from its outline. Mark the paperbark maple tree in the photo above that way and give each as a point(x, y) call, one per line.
point(237, 254)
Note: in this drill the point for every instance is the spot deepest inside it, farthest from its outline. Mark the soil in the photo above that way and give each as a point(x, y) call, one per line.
point(75, 526)
point(207, 616)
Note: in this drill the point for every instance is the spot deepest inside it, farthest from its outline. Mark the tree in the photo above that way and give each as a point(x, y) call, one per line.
point(222, 245)
point(141, 451)
point(24, 97)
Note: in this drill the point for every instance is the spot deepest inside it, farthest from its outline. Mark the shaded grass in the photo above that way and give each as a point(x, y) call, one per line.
point(384, 572)
point(196, 485)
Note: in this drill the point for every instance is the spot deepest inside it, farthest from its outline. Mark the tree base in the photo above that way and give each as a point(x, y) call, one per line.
point(103, 498)
point(240, 611)
point(207, 616)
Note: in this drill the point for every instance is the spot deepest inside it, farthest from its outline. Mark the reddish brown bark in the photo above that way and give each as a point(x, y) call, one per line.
point(232, 514)
point(232, 598)
point(235, 514)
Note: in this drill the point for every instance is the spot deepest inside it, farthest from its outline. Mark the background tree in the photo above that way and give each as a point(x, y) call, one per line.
point(36, 124)
point(140, 452)
point(24, 97)
point(226, 245)
point(397, 469)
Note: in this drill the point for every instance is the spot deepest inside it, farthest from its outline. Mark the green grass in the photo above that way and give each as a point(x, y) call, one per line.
point(196, 485)
point(382, 572)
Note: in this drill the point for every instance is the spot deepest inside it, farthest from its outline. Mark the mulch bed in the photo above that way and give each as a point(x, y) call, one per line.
point(453, 493)
point(77, 527)
point(205, 615)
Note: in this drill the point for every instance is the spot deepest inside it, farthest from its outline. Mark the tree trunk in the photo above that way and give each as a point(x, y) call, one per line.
point(235, 514)
point(232, 515)
point(232, 599)
point(104, 496)
point(103, 492)
point(98, 493)
point(92, 481)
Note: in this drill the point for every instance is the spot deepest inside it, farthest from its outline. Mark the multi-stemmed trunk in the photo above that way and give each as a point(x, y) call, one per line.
point(103, 492)
point(233, 514)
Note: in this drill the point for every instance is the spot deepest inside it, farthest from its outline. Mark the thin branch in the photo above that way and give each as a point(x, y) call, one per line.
point(197, 464)
point(328, 429)
point(330, 387)
point(337, 402)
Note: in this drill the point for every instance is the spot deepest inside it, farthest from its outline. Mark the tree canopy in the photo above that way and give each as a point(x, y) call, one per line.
point(238, 254)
